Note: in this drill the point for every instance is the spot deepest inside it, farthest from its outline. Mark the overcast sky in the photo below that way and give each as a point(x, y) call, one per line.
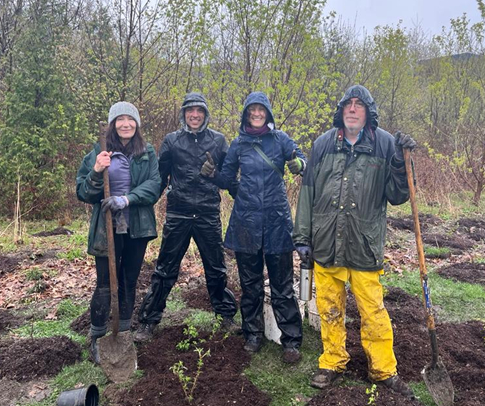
point(431, 15)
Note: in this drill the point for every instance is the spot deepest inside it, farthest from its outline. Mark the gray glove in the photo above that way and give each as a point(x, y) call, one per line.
point(114, 203)
point(208, 168)
point(295, 165)
point(402, 141)
point(306, 253)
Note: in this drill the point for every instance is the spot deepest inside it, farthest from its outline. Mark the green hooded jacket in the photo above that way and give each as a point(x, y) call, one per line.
point(145, 190)
point(342, 205)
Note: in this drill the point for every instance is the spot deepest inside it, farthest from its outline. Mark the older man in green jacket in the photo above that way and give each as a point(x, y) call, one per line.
point(355, 169)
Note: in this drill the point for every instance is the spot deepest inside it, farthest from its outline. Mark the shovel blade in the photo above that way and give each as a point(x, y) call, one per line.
point(117, 355)
point(439, 384)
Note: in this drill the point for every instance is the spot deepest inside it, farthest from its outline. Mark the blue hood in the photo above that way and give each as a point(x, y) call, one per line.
point(260, 98)
point(364, 95)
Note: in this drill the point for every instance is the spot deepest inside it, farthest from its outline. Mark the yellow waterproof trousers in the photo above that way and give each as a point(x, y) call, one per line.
point(375, 330)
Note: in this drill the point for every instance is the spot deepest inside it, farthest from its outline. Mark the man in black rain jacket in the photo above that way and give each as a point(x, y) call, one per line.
point(193, 211)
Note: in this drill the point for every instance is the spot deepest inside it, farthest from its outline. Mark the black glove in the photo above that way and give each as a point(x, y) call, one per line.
point(295, 165)
point(306, 253)
point(114, 203)
point(208, 168)
point(402, 141)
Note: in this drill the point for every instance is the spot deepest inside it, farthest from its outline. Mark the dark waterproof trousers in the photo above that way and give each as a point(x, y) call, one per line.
point(178, 230)
point(129, 254)
point(283, 300)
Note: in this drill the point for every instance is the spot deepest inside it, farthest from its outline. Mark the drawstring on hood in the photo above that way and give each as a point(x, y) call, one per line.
point(191, 100)
point(364, 95)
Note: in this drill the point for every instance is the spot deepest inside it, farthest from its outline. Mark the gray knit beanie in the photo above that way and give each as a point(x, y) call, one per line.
point(121, 108)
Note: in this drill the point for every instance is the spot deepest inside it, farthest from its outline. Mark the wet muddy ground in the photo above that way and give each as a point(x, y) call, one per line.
point(462, 345)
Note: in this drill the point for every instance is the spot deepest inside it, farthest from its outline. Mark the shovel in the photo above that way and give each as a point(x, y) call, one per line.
point(434, 374)
point(117, 351)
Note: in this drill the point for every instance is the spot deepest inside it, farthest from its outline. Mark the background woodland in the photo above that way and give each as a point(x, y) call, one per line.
point(64, 62)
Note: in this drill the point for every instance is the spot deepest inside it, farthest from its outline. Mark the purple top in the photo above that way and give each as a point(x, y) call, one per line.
point(120, 178)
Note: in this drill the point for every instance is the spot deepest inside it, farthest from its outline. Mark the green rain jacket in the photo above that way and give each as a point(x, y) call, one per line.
point(342, 205)
point(144, 193)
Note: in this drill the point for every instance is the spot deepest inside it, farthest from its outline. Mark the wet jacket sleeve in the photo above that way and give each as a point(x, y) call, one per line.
point(149, 191)
point(397, 189)
point(226, 178)
point(233, 185)
point(302, 233)
point(165, 163)
point(89, 183)
point(289, 145)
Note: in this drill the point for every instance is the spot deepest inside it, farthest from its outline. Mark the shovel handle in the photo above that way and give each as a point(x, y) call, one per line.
point(419, 242)
point(113, 280)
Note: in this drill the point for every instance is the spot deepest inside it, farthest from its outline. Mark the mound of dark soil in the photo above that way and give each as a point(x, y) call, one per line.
point(27, 359)
point(357, 396)
point(220, 383)
point(458, 243)
point(407, 223)
point(9, 320)
point(9, 263)
point(82, 324)
point(461, 346)
point(464, 272)
point(56, 231)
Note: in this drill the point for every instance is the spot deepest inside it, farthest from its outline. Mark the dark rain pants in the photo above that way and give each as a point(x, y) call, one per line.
point(178, 230)
point(129, 254)
point(283, 300)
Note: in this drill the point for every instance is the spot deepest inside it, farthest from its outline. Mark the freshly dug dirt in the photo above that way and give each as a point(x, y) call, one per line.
point(56, 231)
point(458, 243)
point(407, 223)
point(464, 272)
point(27, 359)
point(220, 383)
point(8, 320)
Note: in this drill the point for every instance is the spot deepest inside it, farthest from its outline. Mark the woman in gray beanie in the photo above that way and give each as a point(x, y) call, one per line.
point(134, 183)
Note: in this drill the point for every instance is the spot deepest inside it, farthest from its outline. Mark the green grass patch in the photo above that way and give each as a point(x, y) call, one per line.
point(421, 392)
point(74, 376)
point(457, 301)
point(67, 311)
point(437, 252)
point(291, 382)
point(175, 303)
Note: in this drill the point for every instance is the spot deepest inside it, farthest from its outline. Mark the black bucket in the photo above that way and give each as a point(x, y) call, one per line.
point(87, 396)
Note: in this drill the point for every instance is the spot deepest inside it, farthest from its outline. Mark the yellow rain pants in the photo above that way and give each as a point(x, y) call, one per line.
point(375, 330)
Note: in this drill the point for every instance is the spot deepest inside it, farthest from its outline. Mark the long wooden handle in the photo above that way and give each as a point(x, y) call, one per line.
point(419, 242)
point(113, 279)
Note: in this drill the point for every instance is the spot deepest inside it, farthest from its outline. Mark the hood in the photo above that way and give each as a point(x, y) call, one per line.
point(364, 95)
point(190, 100)
point(260, 98)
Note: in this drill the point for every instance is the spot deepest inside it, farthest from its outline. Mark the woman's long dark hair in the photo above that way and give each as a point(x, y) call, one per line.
point(135, 147)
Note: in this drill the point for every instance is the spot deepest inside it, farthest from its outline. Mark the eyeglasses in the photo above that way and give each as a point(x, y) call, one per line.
point(357, 104)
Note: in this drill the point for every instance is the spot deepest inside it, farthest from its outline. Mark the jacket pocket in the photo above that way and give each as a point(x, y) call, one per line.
point(365, 250)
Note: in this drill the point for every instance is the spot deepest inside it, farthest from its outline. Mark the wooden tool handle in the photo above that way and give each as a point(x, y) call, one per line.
point(113, 279)
point(419, 242)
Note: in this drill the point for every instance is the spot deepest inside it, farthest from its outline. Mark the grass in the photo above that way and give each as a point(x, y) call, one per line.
point(291, 383)
point(454, 301)
point(74, 376)
point(67, 311)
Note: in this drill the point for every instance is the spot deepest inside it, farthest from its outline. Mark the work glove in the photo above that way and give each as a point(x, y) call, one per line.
point(208, 168)
point(114, 203)
point(402, 141)
point(295, 165)
point(306, 253)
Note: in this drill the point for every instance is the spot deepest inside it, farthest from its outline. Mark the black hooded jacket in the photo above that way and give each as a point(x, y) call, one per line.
point(180, 159)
